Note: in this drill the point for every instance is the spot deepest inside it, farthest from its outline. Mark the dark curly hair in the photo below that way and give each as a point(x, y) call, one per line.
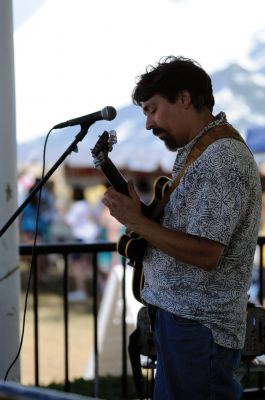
point(169, 77)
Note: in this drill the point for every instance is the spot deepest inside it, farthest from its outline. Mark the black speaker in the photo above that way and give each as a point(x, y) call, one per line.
point(255, 333)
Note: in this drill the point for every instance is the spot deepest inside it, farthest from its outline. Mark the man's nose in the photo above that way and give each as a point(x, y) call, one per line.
point(148, 123)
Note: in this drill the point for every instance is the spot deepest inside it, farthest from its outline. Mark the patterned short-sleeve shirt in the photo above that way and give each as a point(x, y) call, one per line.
point(219, 198)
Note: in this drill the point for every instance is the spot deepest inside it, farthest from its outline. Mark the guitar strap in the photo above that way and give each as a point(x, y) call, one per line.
point(219, 132)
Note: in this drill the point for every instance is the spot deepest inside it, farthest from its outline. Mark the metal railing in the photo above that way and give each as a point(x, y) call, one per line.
point(65, 249)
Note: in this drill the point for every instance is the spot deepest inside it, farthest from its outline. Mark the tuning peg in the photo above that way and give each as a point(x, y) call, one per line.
point(96, 161)
point(113, 136)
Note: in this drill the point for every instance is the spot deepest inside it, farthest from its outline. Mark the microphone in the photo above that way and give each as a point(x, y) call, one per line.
point(108, 113)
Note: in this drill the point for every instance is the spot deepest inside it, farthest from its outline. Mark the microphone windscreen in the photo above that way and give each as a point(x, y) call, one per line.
point(108, 113)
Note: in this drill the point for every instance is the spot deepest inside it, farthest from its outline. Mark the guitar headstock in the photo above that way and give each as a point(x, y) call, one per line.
point(103, 146)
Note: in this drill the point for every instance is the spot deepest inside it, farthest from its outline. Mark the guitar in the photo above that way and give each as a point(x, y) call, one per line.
point(132, 246)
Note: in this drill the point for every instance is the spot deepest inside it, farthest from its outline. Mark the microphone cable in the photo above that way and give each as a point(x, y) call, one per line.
point(31, 265)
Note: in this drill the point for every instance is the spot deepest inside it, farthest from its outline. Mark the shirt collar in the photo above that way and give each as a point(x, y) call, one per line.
point(219, 119)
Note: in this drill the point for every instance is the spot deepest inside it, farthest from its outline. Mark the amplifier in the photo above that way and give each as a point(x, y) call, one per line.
point(255, 333)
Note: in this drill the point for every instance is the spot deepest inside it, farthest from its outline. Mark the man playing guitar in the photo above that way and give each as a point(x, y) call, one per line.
point(199, 257)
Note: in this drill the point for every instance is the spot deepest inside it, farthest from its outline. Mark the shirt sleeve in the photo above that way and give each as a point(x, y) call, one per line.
point(215, 196)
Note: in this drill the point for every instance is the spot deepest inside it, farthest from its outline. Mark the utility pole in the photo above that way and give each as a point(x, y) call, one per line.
point(9, 256)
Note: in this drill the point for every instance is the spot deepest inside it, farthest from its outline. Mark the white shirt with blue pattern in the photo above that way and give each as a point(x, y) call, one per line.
point(219, 198)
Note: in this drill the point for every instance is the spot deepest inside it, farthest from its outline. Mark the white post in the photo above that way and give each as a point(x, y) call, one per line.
point(9, 260)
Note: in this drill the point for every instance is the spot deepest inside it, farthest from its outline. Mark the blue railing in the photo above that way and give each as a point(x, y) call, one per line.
point(65, 249)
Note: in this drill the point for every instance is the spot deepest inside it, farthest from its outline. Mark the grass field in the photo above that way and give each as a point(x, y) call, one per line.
point(51, 343)
point(51, 335)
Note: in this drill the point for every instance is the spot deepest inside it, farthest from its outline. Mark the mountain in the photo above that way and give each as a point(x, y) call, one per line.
point(136, 149)
point(239, 91)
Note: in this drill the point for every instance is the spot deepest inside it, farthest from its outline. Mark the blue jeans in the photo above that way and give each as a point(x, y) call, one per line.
point(190, 366)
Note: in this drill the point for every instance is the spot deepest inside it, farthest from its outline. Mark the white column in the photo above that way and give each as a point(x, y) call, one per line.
point(9, 260)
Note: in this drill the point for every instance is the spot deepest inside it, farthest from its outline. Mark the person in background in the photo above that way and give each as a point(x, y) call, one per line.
point(79, 218)
point(47, 213)
point(109, 231)
point(197, 267)
point(28, 220)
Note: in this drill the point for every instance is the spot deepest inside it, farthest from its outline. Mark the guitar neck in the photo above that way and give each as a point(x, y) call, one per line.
point(117, 180)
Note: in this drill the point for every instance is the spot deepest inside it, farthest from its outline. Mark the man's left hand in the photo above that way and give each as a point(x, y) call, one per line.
point(126, 209)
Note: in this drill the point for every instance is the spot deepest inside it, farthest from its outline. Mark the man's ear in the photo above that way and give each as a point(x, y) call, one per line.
point(185, 98)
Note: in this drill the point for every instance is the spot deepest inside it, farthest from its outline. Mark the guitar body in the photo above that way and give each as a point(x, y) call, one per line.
point(131, 246)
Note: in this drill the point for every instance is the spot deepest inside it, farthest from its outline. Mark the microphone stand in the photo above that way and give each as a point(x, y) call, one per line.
point(73, 147)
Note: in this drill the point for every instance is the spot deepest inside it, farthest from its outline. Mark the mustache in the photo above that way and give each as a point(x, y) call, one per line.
point(158, 130)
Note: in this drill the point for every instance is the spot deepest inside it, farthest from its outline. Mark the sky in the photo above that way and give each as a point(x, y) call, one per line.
point(74, 57)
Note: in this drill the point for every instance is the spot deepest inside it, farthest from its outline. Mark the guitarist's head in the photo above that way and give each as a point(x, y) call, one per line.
point(177, 98)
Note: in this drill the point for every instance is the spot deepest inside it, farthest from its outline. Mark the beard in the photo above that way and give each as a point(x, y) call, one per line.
point(170, 142)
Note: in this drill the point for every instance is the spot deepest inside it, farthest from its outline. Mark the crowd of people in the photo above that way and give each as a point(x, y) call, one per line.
point(80, 222)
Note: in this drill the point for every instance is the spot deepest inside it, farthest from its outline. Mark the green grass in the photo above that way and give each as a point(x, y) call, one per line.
point(109, 388)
